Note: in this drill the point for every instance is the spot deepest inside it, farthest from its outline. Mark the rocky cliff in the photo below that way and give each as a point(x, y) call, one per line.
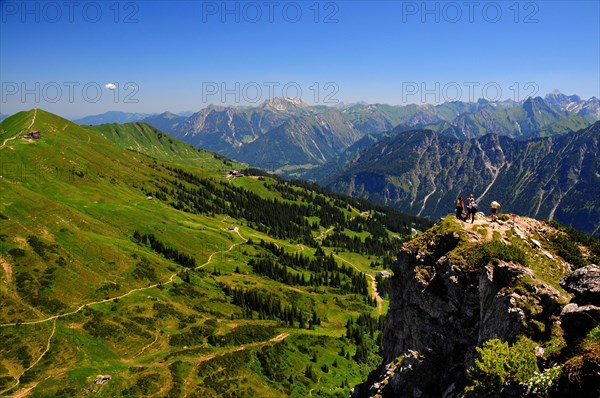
point(460, 285)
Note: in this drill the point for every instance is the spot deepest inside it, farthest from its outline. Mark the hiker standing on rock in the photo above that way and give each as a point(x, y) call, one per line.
point(460, 205)
point(494, 206)
point(471, 208)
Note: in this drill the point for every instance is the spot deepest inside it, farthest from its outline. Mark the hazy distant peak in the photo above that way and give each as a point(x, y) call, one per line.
point(284, 104)
point(212, 107)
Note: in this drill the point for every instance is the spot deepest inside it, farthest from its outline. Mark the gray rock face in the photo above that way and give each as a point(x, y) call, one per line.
point(583, 313)
point(578, 320)
point(439, 313)
point(584, 283)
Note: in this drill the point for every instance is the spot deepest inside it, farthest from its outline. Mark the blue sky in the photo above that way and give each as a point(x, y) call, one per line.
point(184, 55)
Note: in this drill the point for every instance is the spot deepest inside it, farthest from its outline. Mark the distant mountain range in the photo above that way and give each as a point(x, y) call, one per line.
point(125, 117)
point(422, 172)
point(294, 139)
point(111, 117)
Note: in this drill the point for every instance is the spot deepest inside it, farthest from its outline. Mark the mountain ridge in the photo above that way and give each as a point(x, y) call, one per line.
point(423, 172)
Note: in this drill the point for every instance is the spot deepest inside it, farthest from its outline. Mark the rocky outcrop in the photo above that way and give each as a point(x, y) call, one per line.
point(582, 314)
point(584, 283)
point(441, 309)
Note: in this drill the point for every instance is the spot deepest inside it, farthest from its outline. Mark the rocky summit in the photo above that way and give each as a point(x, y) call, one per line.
point(479, 310)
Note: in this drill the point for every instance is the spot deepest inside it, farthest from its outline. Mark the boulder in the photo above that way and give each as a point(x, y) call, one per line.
point(584, 283)
point(578, 320)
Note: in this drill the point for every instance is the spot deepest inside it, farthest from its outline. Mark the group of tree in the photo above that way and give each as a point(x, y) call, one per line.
point(383, 286)
point(168, 252)
point(269, 307)
point(389, 217)
point(191, 193)
point(323, 270)
point(376, 246)
point(366, 333)
point(285, 218)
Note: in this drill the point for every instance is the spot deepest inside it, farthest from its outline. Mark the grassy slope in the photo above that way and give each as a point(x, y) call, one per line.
point(79, 194)
point(142, 137)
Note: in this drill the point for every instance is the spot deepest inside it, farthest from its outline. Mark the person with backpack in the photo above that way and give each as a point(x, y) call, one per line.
point(460, 205)
point(494, 206)
point(472, 208)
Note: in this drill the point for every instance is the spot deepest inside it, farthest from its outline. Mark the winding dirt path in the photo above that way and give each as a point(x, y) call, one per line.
point(27, 390)
point(139, 289)
point(6, 140)
point(147, 346)
point(7, 269)
point(28, 128)
point(202, 359)
point(322, 236)
point(378, 298)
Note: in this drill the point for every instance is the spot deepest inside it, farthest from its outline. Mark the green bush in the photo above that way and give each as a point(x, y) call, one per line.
point(500, 251)
point(499, 365)
point(494, 251)
point(594, 335)
point(243, 334)
point(568, 250)
point(503, 217)
point(575, 237)
point(6, 381)
point(144, 270)
point(196, 335)
point(274, 361)
point(16, 252)
point(40, 247)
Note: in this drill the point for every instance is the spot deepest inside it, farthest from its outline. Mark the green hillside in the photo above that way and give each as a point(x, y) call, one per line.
point(127, 253)
point(143, 138)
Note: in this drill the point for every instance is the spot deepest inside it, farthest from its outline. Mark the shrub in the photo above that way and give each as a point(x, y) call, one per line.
point(499, 365)
point(40, 247)
point(243, 334)
point(500, 251)
point(494, 251)
point(16, 252)
point(144, 270)
point(503, 217)
point(575, 237)
point(6, 381)
point(593, 336)
point(568, 250)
